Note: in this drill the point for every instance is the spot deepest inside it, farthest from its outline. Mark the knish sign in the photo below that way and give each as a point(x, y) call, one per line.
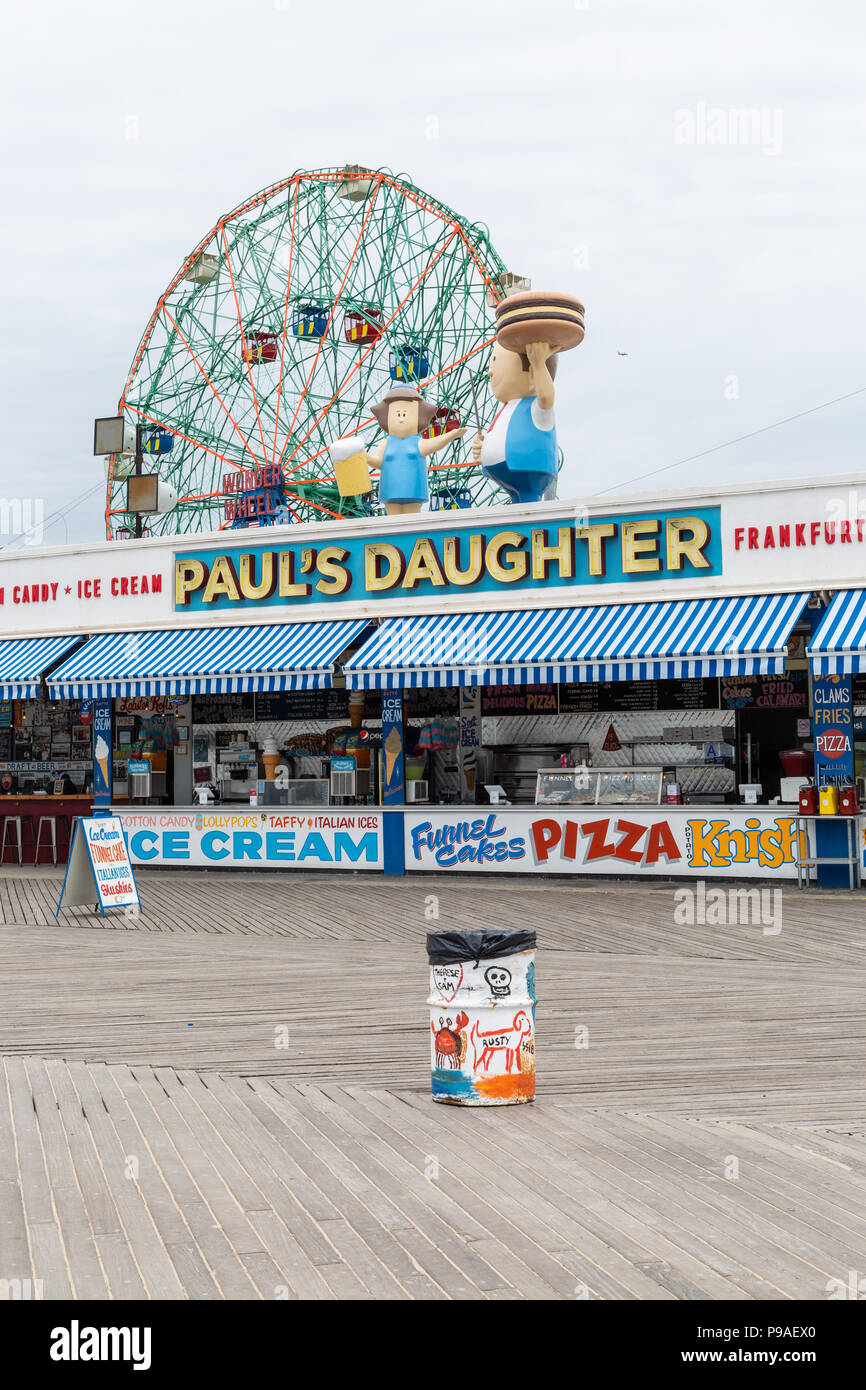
point(486, 559)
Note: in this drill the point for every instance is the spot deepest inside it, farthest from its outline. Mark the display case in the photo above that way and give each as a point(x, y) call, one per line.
point(598, 786)
point(308, 791)
point(515, 767)
point(565, 786)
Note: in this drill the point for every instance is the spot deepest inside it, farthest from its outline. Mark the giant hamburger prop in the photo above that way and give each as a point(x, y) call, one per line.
point(537, 316)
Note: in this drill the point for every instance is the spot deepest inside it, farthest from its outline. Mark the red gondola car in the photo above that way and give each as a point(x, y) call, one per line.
point(362, 326)
point(443, 421)
point(261, 346)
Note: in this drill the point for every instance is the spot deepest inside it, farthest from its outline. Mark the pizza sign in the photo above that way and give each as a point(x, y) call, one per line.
point(833, 743)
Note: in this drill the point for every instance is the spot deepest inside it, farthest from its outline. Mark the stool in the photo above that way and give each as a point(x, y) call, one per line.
point(13, 823)
point(51, 823)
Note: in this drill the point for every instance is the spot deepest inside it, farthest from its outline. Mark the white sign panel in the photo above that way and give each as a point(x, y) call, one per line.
point(758, 538)
point(604, 840)
point(283, 837)
point(98, 870)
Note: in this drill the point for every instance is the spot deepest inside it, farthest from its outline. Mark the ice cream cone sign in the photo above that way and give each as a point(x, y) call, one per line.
point(393, 749)
point(102, 754)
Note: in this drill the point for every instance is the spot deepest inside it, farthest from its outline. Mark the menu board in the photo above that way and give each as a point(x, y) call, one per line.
point(5, 745)
point(519, 699)
point(223, 709)
point(858, 688)
point(790, 691)
point(303, 704)
point(284, 705)
point(422, 703)
point(624, 697)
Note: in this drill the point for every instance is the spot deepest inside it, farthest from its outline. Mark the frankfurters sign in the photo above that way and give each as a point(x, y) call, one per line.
point(576, 552)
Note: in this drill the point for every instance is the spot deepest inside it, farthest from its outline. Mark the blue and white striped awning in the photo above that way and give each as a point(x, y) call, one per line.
point(838, 645)
point(23, 660)
point(632, 641)
point(206, 661)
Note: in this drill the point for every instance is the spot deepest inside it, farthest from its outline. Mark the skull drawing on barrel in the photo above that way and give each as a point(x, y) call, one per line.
point(449, 1040)
point(499, 980)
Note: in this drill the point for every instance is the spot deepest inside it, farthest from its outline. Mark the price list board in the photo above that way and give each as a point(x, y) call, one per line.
point(223, 709)
point(421, 703)
point(790, 691)
point(519, 699)
point(638, 697)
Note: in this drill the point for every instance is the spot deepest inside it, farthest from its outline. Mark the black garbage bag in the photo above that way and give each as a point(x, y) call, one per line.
point(452, 947)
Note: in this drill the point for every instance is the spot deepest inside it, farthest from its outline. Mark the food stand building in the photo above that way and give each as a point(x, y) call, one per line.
point(627, 672)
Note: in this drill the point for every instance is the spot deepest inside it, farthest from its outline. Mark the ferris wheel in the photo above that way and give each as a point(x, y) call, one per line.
point(282, 328)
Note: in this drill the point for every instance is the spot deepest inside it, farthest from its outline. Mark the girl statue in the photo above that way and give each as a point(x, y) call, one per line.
point(403, 414)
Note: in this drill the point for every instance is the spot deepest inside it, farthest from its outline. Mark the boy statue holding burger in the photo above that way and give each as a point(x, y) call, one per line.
point(519, 450)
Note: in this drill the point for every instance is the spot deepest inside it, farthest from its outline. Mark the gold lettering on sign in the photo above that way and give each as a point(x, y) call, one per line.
point(640, 546)
point(511, 566)
point(594, 534)
point(247, 576)
point(288, 587)
point(451, 557)
point(373, 579)
point(223, 582)
point(189, 575)
point(335, 577)
point(561, 554)
point(423, 564)
point(686, 537)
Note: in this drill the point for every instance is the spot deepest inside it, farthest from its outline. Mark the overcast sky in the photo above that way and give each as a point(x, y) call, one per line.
point(731, 273)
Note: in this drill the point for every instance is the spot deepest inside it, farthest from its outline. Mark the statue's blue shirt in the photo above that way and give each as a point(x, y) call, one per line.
point(519, 451)
point(524, 437)
point(404, 471)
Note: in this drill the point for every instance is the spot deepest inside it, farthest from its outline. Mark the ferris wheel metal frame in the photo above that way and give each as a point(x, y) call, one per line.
point(287, 321)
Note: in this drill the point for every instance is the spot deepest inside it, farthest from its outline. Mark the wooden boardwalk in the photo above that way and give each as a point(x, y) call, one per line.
point(228, 1097)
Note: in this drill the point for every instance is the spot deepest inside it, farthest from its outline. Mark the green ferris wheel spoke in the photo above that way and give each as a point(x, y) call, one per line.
point(418, 265)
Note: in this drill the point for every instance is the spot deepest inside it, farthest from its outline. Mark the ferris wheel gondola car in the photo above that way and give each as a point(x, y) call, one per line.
point(451, 499)
point(443, 421)
point(409, 363)
point(261, 346)
point(158, 442)
point(362, 326)
point(203, 270)
point(310, 320)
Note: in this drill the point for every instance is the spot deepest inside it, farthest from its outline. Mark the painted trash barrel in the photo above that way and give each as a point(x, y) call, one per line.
point(482, 1016)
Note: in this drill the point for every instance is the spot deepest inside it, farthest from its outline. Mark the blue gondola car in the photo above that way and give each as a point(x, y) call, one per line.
point(409, 362)
point(158, 442)
point(310, 320)
point(451, 499)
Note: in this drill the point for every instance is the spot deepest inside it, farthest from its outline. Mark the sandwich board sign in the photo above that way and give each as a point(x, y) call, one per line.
point(98, 870)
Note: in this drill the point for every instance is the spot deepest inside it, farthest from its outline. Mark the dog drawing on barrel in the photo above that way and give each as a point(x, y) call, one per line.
point(508, 1040)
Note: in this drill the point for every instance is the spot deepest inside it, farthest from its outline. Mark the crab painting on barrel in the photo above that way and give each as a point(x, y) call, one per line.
point(450, 1041)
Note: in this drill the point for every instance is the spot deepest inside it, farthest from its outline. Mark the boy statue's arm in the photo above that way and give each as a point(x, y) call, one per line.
point(538, 354)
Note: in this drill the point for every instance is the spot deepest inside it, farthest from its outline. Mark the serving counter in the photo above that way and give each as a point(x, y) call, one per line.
point(31, 809)
point(698, 842)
